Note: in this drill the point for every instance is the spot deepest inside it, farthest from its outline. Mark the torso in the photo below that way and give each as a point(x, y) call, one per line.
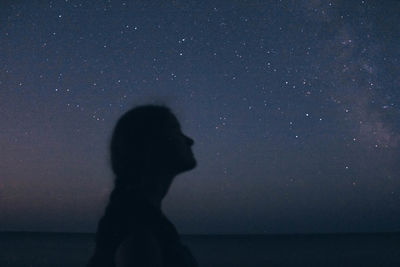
point(161, 231)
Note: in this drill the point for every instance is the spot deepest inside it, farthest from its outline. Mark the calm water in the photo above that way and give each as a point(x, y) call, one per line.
point(61, 250)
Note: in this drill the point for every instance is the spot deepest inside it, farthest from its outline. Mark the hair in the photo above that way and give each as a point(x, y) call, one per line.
point(132, 135)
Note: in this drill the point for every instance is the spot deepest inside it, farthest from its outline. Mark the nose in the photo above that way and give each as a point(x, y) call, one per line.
point(189, 140)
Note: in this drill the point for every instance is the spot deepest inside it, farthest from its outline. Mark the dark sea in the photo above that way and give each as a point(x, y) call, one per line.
point(66, 249)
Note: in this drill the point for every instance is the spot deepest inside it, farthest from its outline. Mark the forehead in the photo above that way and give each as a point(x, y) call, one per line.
point(173, 121)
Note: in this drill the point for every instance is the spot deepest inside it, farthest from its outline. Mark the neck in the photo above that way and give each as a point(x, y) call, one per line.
point(154, 192)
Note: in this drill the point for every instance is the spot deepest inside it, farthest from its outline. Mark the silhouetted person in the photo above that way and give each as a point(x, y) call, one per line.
point(148, 150)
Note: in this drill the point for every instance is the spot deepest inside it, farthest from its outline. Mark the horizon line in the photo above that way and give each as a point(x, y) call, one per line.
point(212, 234)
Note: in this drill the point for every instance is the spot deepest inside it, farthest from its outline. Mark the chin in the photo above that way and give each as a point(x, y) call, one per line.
point(189, 165)
point(194, 164)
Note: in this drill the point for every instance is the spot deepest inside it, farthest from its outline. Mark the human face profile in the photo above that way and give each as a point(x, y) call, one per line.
point(181, 147)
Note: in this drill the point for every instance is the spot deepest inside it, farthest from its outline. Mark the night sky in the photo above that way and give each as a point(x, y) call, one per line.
point(294, 107)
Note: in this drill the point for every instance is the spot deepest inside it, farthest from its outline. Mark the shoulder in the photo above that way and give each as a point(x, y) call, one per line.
point(140, 248)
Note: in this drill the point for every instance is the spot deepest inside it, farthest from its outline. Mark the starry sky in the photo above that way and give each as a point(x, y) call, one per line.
point(294, 107)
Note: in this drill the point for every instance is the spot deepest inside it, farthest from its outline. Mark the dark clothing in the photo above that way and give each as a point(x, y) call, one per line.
point(145, 216)
point(174, 252)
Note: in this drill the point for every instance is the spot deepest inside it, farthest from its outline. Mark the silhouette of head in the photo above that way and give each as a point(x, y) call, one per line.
point(148, 142)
